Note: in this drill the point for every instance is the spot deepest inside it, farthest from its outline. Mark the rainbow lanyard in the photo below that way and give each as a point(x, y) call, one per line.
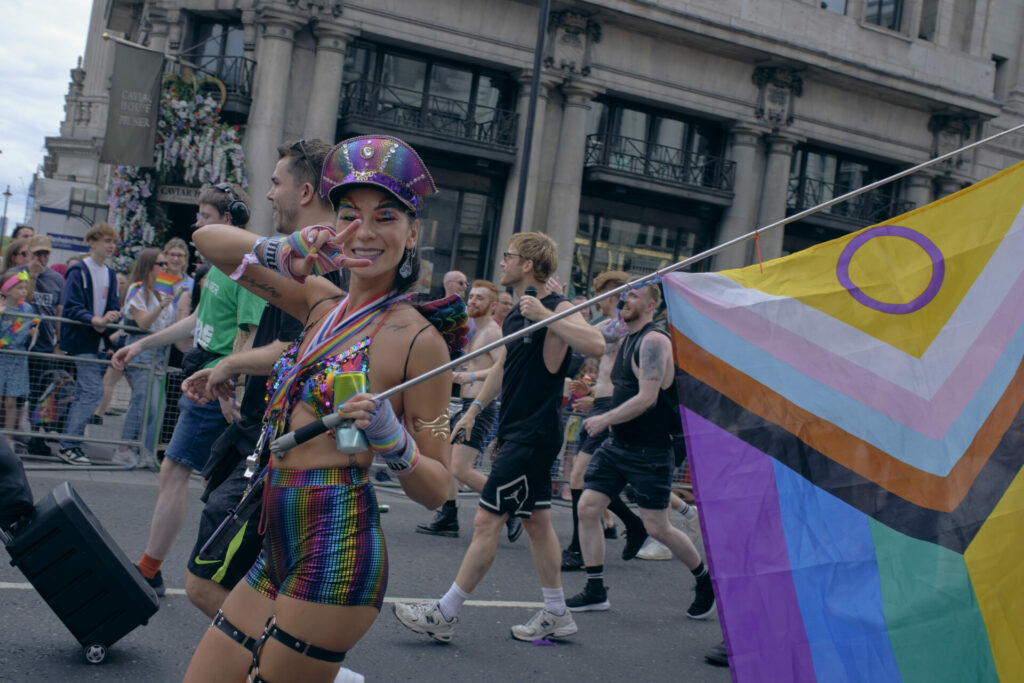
point(335, 332)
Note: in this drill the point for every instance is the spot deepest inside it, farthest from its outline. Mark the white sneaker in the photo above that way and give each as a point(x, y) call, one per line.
point(544, 624)
point(346, 675)
point(689, 512)
point(426, 617)
point(654, 550)
point(128, 457)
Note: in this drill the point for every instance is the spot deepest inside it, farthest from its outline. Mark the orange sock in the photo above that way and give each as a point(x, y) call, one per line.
point(149, 566)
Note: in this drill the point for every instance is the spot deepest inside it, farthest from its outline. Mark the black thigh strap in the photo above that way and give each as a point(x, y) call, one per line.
point(302, 647)
point(229, 629)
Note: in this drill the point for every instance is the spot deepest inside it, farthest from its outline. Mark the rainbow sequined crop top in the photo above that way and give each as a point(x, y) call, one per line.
point(314, 384)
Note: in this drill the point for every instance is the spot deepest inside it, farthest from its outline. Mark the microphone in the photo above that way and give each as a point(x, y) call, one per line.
point(530, 291)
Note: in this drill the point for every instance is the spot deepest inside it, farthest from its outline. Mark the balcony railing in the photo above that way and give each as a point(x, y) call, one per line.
point(870, 207)
point(671, 164)
point(236, 73)
point(418, 111)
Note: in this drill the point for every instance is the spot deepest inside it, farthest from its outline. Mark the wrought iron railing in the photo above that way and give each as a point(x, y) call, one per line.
point(236, 73)
point(419, 111)
point(672, 164)
point(871, 207)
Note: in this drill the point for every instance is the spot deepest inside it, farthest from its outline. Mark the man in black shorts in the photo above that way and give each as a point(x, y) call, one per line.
point(530, 373)
point(639, 453)
point(296, 203)
point(480, 305)
point(601, 402)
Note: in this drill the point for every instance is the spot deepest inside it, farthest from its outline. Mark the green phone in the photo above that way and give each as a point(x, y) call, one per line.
point(346, 385)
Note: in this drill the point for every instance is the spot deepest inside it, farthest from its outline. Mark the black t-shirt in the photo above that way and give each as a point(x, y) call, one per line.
point(654, 426)
point(275, 325)
point(530, 395)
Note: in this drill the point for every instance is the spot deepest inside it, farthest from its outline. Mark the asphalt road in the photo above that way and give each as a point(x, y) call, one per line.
point(644, 637)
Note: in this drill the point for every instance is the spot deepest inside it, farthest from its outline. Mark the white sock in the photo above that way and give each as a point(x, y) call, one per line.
point(452, 601)
point(554, 600)
point(684, 508)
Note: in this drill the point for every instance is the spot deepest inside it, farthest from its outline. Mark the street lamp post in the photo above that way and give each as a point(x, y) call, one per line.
point(3, 228)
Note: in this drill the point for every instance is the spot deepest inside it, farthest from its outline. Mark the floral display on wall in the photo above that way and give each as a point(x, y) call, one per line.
point(193, 147)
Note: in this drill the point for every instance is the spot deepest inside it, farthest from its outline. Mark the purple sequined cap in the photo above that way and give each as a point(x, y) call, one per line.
point(379, 160)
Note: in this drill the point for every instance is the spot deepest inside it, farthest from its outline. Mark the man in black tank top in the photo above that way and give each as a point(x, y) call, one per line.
point(529, 373)
point(638, 453)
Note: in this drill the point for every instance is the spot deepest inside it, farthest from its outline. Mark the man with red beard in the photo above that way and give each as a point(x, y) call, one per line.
point(480, 305)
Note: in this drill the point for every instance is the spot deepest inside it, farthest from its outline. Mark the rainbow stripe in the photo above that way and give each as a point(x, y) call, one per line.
point(165, 283)
point(854, 418)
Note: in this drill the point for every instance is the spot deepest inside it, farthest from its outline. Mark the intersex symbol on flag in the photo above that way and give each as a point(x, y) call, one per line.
point(854, 421)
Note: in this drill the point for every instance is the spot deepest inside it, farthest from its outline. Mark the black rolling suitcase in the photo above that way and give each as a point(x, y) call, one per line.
point(85, 578)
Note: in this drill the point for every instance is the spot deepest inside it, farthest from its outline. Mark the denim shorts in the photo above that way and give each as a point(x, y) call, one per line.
point(197, 428)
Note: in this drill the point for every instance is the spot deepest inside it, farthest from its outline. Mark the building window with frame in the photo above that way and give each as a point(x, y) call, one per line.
point(885, 13)
point(818, 175)
point(837, 6)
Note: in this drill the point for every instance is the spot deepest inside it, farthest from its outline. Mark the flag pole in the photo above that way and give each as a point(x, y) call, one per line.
point(330, 421)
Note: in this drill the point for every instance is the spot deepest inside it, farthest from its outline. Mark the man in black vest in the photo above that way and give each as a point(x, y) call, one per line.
point(639, 453)
point(530, 373)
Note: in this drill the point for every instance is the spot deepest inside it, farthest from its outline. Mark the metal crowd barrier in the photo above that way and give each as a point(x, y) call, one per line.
point(41, 417)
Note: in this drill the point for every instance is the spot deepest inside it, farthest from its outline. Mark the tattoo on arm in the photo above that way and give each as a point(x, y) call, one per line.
point(438, 426)
point(270, 290)
point(652, 362)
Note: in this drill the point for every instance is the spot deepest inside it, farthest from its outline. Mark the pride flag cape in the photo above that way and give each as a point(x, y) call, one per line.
point(165, 283)
point(854, 422)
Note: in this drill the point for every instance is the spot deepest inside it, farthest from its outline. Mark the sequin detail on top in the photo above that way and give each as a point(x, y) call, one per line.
point(314, 385)
point(324, 543)
point(316, 359)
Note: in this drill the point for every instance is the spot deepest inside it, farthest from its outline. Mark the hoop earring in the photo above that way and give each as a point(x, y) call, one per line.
point(405, 270)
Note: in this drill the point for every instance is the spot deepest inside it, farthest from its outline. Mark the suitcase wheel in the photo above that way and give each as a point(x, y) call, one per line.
point(95, 653)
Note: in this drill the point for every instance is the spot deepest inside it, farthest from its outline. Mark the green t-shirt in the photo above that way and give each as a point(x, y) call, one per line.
point(224, 307)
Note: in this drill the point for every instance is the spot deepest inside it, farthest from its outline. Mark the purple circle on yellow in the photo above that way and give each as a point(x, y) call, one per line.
point(920, 301)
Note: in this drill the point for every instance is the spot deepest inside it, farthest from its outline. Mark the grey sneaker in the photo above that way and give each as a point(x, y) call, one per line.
point(74, 456)
point(544, 624)
point(129, 458)
point(425, 617)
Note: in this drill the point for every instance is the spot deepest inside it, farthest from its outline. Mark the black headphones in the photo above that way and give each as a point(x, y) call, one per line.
point(237, 209)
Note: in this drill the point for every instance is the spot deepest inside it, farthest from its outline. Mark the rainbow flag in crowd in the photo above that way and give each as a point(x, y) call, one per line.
point(165, 283)
point(853, 417)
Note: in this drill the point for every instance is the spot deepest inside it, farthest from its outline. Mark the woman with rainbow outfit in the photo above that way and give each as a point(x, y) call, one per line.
point(319, 583)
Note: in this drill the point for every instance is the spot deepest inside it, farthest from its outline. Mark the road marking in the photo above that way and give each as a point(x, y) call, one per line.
point(9, 585)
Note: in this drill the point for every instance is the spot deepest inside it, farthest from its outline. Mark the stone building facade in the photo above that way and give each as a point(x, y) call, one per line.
point(663, 127)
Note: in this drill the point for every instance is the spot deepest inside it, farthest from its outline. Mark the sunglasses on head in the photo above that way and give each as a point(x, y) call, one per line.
point(300, 147)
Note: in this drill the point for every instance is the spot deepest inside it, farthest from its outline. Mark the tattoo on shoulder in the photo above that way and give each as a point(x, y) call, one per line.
point(395, 326)
point(262, 286)
point(652, 361)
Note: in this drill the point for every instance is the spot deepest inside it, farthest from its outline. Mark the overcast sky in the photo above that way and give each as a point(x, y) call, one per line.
point(39, 45)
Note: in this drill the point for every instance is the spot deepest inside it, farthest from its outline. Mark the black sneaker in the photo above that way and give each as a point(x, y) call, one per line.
point(514, 525)
point(634, 541)
point(156, 583)
point(38, 446)
point(74, 456)
point(718, 655)
point(445, 523)
point(704, 601)
point(589, 600)
point(572, 561)
point(610, 532)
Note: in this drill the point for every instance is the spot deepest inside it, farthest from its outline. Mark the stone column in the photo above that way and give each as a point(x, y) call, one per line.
point(322, 114)
point(919, 188)
point(266, 118)
point(567, 181)
point(774, 192)
point(948, 184)
point(508, 206)
point(740, 217)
